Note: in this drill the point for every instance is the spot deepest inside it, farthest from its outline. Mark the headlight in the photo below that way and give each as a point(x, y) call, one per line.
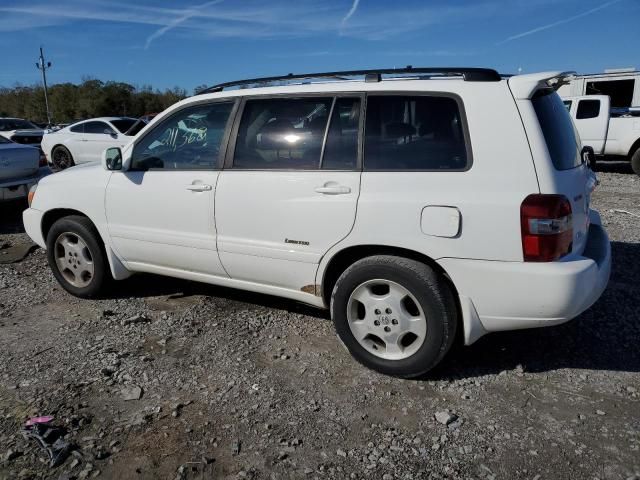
point(32, 193)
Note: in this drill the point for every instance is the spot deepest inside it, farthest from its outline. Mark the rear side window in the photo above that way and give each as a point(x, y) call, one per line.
point(588, 109)
point(97, 127)
point(282, 133)
point(558, 130)
point(414, 133)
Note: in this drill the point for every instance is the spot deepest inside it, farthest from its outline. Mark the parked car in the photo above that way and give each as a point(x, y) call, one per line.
point(140, 124)
point(613, 133)
point(21, 131)
point(85, 141)
point(433, 203)
point(21, 167)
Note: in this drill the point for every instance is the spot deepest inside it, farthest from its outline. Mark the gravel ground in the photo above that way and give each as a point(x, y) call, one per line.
point(173, 379)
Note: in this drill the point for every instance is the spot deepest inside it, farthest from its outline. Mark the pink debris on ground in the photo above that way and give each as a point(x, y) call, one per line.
point(36, 420)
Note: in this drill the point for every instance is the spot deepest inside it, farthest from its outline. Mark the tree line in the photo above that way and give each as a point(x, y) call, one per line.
point(91, 98)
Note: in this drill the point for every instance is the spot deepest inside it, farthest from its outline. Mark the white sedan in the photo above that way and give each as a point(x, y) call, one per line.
point(84, 141)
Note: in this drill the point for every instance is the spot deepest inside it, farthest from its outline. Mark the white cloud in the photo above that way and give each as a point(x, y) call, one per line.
point(350, 13)
point(559, 22)
point(191, 12)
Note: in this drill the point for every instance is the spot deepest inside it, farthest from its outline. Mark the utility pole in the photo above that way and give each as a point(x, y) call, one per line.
point(43, 67)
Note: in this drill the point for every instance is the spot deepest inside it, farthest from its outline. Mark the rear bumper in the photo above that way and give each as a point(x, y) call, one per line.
point(32, 220)
point(499, 296)
point(16, 188)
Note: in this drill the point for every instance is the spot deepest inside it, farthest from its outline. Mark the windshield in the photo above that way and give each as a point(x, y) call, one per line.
point(558, 130)
point(7, 124)
point(123, 124)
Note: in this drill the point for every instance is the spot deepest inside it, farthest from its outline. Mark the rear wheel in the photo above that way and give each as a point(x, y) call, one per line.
point(76, 256)
point(635, 161)
point(395, 315)
point(61, 158)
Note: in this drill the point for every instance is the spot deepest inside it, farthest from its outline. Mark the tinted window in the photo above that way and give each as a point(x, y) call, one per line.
point(79, 128)
point(414, 133)
point(588, 109)
point(558, 130)
point(341, 148)
point(282, 133)
point(124, 124)
point(4, 140)
point(96, 127)
point(188, 139)
point(8, 124)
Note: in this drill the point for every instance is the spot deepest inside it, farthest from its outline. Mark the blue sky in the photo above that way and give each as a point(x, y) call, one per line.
point(188, 43)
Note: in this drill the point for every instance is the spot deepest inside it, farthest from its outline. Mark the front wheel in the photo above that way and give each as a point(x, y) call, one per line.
point(635, 162)
point(76, 256)
point(395, 315)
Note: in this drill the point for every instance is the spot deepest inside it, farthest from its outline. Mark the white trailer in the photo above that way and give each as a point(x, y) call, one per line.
point(605, 109)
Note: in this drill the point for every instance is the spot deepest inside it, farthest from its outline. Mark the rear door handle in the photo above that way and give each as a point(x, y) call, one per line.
point(199, 187)
point(333, 190)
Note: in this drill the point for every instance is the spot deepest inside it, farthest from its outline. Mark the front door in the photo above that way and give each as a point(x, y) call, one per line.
point(591, 114)
point(289, 189)
point(160, 211)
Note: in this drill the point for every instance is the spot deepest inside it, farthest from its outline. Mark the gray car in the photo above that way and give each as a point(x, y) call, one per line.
point(21, 166)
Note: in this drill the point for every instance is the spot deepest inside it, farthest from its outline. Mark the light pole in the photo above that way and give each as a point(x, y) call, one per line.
point(43, 67)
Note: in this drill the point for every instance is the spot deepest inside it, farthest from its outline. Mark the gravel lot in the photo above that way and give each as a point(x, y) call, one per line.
point(238, 385)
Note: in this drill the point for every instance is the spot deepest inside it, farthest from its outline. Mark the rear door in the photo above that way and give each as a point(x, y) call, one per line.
point(591, 116)
point(290, 187)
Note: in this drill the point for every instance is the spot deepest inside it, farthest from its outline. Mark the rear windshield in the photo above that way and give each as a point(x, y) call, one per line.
point(558, 130)
point(123, 124)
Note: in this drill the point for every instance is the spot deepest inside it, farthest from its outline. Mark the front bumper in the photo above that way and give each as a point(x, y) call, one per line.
point(32, 220)
point(17, 188)
point(499, 296)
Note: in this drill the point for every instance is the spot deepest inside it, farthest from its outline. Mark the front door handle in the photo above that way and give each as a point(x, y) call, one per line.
point(329, 189)
point(199, 187)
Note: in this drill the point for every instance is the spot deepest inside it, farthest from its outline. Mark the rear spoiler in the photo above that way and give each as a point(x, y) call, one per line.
point(525, 86)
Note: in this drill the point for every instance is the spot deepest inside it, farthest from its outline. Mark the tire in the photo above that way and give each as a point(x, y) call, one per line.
point(61, 158)
point(77, 257)
point(635, 162)
point(394, 346)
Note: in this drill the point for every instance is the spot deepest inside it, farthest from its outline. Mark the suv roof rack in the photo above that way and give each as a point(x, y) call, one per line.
point(469, 74)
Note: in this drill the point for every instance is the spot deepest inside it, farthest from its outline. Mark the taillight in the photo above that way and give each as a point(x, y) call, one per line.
point(32, 193)
point(547, 228)
point(43, 160)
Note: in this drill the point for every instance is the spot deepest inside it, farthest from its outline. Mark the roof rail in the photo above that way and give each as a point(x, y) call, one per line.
point(469, 74)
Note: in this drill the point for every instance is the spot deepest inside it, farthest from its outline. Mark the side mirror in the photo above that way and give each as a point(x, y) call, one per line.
point(589, 157)
point(112, 159)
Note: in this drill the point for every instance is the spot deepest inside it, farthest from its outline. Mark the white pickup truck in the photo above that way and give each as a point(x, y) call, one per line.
point(610, 132)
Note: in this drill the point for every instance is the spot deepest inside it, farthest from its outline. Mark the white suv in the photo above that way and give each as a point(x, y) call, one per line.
point(415, 204)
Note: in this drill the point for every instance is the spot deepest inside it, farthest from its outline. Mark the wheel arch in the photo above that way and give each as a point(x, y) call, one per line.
point(118, 270)
point(634, 147)
point(341, 260)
